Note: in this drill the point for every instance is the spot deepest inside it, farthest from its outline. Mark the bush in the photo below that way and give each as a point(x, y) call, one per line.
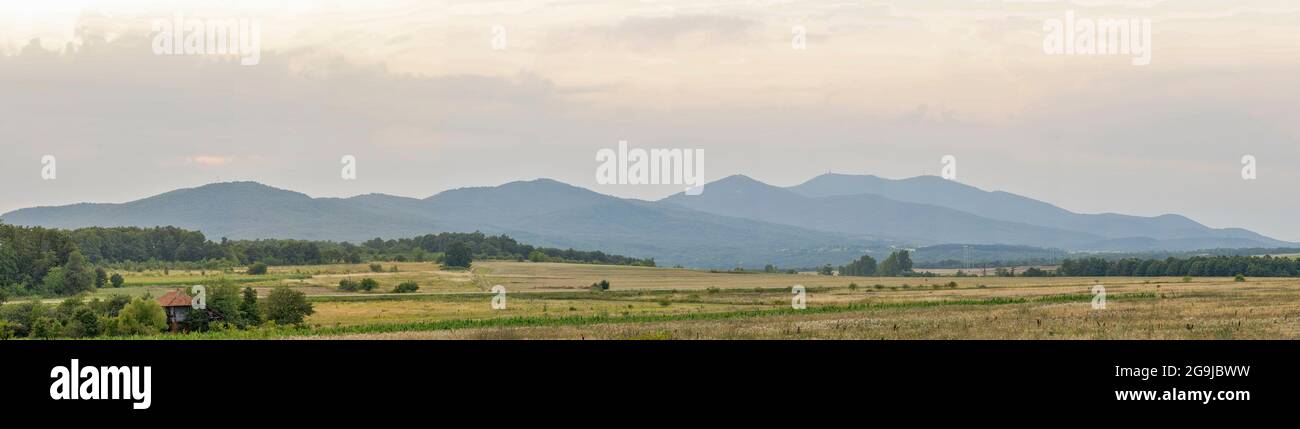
point(376, 268)
point(116, 280)
point(140, 317)
point(600, 286)
point(369, 284)
point(348, 285)
point(257, 269)
point(406, 287)
point(1239, 278)
point(286, 306)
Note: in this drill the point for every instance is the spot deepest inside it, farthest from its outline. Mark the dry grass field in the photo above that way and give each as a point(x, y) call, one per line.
point(555, 301)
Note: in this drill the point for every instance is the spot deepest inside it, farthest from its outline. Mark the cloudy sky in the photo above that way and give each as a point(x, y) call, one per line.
point(417, 93)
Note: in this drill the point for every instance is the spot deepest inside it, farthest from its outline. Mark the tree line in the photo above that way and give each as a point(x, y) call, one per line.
point(898, 263)
point(1196, 266)
point(44, 261)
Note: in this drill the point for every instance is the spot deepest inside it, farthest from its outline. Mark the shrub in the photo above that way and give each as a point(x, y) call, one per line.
point(140, 317)
point(376, 268)
point(406, 287)
point(600, 286)
point(116, 280)
point(348, 285)
point(1239, 278)
point(257, 269)
point(286, 306)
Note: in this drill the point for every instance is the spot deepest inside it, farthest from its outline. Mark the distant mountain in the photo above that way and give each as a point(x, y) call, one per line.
point(1119, 232)
point(540, 212)
point(867, 215)
point(737, 221)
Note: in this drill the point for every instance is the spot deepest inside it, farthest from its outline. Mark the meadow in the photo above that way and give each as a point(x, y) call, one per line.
point(556, 301)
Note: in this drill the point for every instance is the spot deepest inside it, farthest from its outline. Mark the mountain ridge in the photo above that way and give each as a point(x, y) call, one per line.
point(737, 221)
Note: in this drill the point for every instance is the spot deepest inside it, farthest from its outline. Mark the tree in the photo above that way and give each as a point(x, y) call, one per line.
point(826, 270)
point(196, 321)
point(223, 298)
point(101, 278)
point(368, 284)
point(140, 317)
point(9, 271)
point(896, 264)
point(248, 308)
point(406, 287)
point(77, 275)
point(257, 269)
point(54, 281)
point(116, 280)
point(458, 255)
point(348, 285)
point(864, 266)
point(286, 306)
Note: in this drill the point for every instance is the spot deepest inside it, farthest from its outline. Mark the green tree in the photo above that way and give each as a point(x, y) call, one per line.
point(141, 317)
point(248, 308)
point(864, 266)
point(458, 255)
point(55, 282)
point(101, 277)
point(9, 271)
point(78, 276)
point(897, 263)
point(116, 280)
point(368, 284)
point(286, 306)
point(223, 298)
point(826, 270)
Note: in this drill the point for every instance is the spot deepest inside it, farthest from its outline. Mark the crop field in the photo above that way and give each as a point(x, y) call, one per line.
point(556, 301)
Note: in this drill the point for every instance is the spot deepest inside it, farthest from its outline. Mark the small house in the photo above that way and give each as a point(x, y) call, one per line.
point(177, 304)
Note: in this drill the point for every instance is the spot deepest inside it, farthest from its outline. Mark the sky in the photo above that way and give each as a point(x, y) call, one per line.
point(428, 96)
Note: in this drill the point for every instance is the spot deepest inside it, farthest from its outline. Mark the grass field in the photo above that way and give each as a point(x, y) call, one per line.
point(550, 300)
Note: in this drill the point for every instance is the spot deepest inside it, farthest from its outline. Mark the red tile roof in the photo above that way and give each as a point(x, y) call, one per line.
point(174, 298)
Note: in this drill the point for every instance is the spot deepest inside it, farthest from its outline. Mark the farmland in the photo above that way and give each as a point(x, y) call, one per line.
point(555, 301)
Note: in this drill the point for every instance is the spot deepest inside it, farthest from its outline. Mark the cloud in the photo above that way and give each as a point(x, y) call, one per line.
point(210, 160)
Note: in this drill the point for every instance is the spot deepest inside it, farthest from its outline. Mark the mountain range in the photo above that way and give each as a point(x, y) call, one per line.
point(737, 221)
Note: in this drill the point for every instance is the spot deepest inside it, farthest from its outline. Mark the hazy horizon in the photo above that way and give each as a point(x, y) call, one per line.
point(418, 93)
